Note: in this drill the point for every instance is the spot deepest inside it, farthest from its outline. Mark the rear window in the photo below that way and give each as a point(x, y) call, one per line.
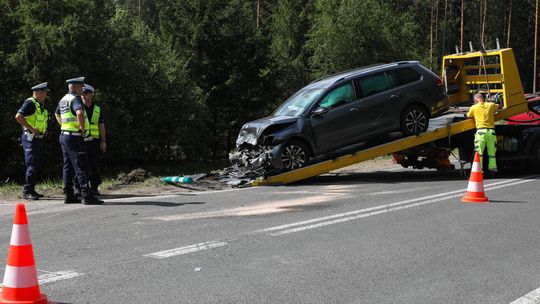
point(407, 75)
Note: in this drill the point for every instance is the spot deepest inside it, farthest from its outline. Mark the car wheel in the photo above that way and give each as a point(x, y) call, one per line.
point(295, 155)
point(414, 120)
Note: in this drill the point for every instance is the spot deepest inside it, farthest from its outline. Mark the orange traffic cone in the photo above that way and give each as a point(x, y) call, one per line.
point(20, 279)
point(475, 190)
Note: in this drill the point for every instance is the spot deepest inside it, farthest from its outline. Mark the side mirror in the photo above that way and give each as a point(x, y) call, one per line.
point(320, 111)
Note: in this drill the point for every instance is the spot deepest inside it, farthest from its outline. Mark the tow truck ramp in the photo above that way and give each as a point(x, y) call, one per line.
point(491, 72)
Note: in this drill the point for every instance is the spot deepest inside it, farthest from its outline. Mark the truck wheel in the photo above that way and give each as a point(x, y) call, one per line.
point(414, 120)
point(536, 153)
point(295, 155)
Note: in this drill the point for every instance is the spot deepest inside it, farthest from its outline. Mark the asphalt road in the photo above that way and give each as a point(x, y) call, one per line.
point(381, 237)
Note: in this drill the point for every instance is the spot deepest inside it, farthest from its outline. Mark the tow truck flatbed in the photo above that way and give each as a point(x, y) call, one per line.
point(462, 77)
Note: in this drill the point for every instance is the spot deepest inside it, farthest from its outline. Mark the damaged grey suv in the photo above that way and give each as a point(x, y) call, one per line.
point(339, 111)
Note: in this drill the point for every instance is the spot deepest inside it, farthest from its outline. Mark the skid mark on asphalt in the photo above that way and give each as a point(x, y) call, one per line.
point(265, 208)
point(363, 213)
point(45, 277)
point(186, 249)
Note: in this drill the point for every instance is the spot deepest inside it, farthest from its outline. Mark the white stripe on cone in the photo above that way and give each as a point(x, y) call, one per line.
point(475, 187)
point(20, 235)
point(476, 167)
point(20, 277)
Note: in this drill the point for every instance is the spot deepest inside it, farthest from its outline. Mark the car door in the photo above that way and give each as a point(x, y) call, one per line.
point(378, 104)
point(337, 127)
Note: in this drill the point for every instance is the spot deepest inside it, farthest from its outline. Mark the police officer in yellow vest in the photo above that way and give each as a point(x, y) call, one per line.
point(74, 125)
point(485, 137)
point(33, 117)
point(95, 139)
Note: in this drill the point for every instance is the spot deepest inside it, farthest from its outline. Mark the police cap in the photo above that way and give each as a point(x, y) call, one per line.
point(88, 89)
point(41, 87)
point(77, 80)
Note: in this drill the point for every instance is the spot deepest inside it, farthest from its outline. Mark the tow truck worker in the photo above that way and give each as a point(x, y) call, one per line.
point(484, 117)
point(33, 117)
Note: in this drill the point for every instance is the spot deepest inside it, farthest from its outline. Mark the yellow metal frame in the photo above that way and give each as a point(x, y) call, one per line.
point(514, 103)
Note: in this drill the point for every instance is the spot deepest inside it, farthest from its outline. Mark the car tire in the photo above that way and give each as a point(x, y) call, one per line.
point(295, 155)
point(414, 120)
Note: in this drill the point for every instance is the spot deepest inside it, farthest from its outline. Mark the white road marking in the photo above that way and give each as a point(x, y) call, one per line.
point(49, 277)
point(370, 209)
point(362, 213)
point(532, 297)
point(187, 249)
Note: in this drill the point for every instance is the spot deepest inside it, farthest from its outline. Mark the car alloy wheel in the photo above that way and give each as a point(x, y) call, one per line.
point(414, 120)
point(295, 155)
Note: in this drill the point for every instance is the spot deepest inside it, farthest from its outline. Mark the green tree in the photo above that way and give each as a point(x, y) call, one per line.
point(225, 56)
point(288, 29)
point(347, 34)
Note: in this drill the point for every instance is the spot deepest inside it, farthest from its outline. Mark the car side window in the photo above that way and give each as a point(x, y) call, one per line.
point(373, 84)
point(407, 75)
point(392, 80)
point(338, 96)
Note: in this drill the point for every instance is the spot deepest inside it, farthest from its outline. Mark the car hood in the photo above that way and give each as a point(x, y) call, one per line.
point(252, 130)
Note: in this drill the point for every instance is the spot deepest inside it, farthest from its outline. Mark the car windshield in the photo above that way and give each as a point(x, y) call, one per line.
point(296, 104)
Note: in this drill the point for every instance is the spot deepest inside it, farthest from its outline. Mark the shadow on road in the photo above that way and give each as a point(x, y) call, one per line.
point(151, 203)
point(125, 195)
point(508, 202)
point(399, 177)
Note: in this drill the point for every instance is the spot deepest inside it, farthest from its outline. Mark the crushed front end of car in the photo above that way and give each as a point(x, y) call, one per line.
point(258, 148)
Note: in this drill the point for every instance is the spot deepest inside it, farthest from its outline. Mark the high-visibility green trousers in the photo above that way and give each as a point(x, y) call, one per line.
point(486, 138)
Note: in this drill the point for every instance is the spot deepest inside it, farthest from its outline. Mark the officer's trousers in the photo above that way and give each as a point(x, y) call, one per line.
point(32, 160)
point(94, 158)
point(486, 139)
point(75, 163)
point(93, 151)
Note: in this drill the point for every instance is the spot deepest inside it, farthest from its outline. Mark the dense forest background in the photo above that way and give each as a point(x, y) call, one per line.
point(177, 78)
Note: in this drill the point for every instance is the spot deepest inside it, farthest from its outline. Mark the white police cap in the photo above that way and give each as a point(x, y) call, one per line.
point(77, 80)
point(88, 89)
point(40, 87)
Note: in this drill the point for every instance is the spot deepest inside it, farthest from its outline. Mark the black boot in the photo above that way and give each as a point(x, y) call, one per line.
point(31, 196)
point(72, 199)
point(91, 200)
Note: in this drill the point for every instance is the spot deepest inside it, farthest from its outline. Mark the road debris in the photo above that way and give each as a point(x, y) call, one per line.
point(137, 175)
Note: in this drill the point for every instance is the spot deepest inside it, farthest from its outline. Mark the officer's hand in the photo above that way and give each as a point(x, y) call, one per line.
point(103, 146)
point(35, 131)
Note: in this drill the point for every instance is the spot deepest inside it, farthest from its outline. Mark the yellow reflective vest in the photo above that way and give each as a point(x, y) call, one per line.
point(68, 119)
point(93, 129)
point(40, 117)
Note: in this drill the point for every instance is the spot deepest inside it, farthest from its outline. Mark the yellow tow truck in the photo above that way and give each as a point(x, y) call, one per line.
point(493, 72)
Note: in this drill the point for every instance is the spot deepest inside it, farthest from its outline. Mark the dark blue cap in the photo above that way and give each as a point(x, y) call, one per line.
point(78, 80)
point(88, 89)
point(40, 87)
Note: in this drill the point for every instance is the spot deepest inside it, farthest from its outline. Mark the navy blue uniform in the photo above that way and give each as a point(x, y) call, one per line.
point(74, 151)
point(94, 153)
point(32, 150)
